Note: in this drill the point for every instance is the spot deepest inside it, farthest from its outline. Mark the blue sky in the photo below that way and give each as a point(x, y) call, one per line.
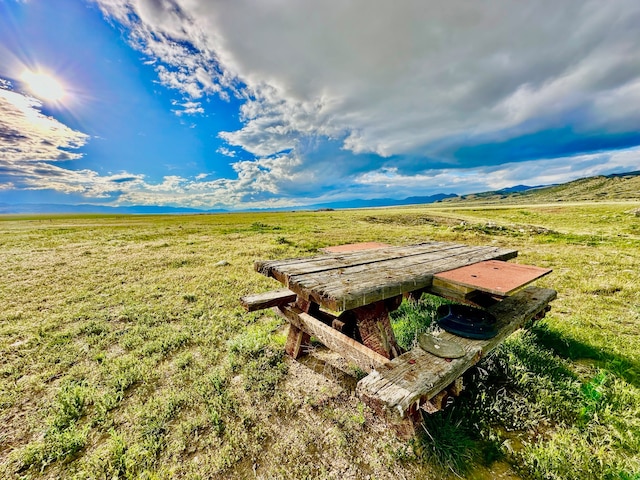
point(250, 104)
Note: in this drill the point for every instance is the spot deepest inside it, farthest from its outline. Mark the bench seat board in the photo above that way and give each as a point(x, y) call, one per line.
point(260, 301)
point(416, 376)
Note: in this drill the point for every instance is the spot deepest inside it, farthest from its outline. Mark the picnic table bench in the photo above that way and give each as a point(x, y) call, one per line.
point(343, 299)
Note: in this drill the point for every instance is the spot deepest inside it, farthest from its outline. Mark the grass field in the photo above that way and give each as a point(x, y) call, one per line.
point(125, 352)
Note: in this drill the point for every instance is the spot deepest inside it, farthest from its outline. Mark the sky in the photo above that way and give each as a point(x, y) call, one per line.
point(275, 103)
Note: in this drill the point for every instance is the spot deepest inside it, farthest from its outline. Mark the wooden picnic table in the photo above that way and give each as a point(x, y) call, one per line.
point(344, 299)
point(366, 285)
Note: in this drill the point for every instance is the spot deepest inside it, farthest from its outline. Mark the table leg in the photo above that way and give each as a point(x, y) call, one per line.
point(297, 340)
point(374, 326)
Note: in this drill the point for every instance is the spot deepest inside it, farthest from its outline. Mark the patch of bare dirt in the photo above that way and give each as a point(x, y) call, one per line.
point(329, 433)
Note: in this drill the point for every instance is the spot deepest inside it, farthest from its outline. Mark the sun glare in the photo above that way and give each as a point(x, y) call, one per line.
point(43, 86)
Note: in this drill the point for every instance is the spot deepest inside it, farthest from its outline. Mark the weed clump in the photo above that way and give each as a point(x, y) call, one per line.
point(64, 437)
point(447, 443)
point(413, 318)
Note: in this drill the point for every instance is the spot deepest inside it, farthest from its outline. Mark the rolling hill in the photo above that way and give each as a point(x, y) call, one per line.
point(625, 186)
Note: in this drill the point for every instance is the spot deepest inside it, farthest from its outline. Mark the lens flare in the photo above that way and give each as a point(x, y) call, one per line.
point(43, 86)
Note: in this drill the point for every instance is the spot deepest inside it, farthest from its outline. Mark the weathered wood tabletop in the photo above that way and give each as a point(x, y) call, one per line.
point(346, 281)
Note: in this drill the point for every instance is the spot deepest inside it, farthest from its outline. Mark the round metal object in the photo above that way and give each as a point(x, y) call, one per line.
point(440, 347)
point(466, 321)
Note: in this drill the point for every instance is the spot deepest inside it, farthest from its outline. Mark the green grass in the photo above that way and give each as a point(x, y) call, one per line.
point(124, 352)
point(413, 318)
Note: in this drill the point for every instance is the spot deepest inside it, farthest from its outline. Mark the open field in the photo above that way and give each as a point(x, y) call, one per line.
point(125, 352)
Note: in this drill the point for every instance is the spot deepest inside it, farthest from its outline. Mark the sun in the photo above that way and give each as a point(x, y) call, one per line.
point(43, 85)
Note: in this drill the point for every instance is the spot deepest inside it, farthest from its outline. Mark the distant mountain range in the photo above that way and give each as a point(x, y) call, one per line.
point(42, 208)
point(617, 186)
point(384, 202)
point(26, 208)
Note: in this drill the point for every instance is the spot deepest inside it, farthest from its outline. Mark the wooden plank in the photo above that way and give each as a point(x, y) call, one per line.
point(343, 269)
point(297, 341)
point(374, 327)
point(432, 261)
point(382, 264)
point(349, 258)
point(354, 247)
point(409, 276)
point(449, 290)
point(416, 376)
point(260, 301)
point(353, 351)
point(348, 288)
point(319, 263)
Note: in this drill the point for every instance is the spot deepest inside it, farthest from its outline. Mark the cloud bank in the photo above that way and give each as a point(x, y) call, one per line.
point(26, 135)
point(372, 98)
point(36, 151)
point(410, 87)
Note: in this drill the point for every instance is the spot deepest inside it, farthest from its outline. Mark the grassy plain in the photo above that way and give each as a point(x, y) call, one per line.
point(125, 353)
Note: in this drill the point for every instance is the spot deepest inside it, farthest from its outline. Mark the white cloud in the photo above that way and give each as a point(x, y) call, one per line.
point(165, 31)
point(418, 79)
point(188, 108)
point(367, 97)
point(27, 135)
point(226, 152)
point(32, 145)
point(561, 170)
point(480, 179)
